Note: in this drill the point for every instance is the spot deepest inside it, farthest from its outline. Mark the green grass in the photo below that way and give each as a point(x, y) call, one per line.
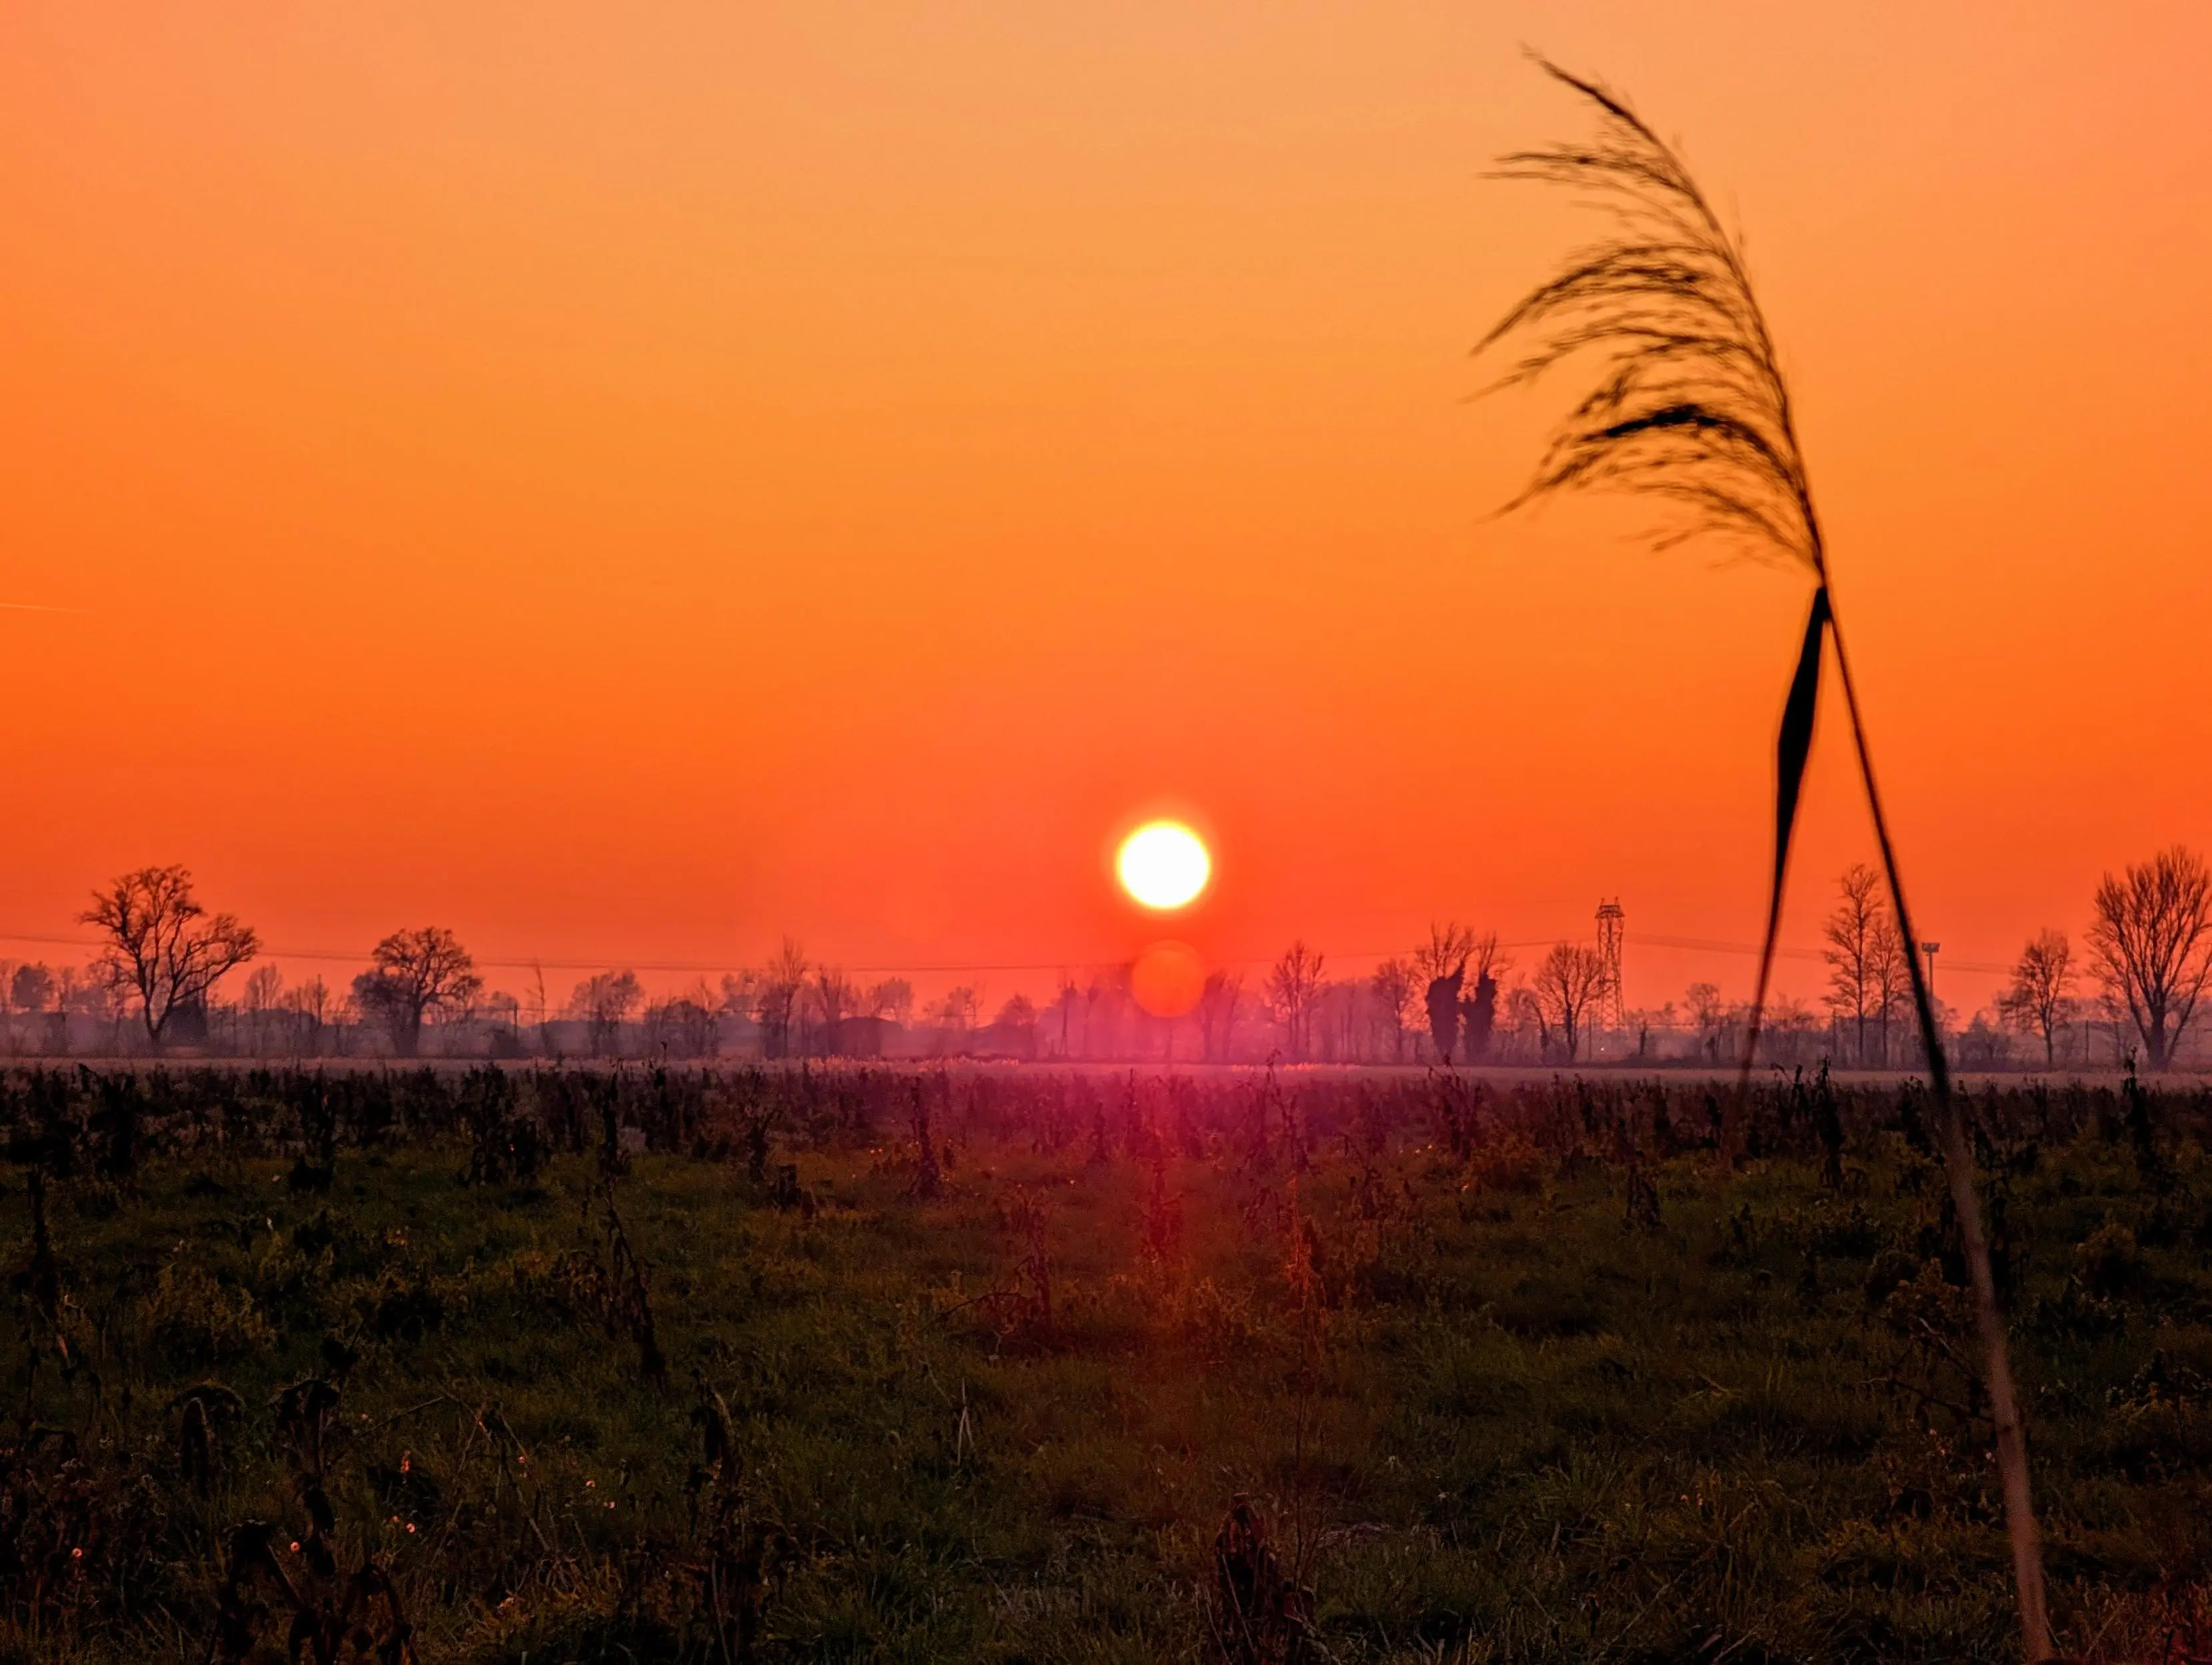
point(1511, 1426)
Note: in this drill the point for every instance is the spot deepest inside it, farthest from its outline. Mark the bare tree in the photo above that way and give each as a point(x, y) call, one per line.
point(30, 987)
point(741, 996)
point(1787, 1038)
point(699, 1014)
point(541, 1008)
point(1524, 1014)
point(836, 998)
point(1097, 993)
point(502, 1014)
point(1643, 1020)
point(1851, 931)
point(1449, 946)
point(309, 1004)
point(1568, 982)
point(604, 1001)
point(1066, 1001)
point(1440, 964)
point(2151, 944)
point(893, 999)
point(1487, 959)
point(957, 1009)
point(163, 945)
point(777, 997)
point(263, 990)
point(683, 1026)
point(1293, 987)
point(344, 1019)
point(1441, 1003)
point(1443, 963)
point(1890, 965)
point(1394, 988)
point(1217, 1013)
point(1709, 1013)
point(108, 1001)
point(1477, 1010)
point(68, 990)
point(1338, 1027)
point(413, 975)
point(2041, 997)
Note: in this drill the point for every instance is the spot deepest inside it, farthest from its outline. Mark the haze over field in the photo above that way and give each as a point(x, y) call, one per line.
point(625, 491)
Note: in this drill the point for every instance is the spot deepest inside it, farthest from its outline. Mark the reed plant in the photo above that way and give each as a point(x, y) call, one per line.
point(1688, 404)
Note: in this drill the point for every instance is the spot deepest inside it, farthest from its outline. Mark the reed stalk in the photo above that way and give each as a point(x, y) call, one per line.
point(1689, 406)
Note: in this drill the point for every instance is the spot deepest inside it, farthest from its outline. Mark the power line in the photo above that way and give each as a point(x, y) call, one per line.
point(546, 962)
point(1703, 946)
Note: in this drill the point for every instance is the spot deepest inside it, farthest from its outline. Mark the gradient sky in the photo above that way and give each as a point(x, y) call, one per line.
point(628, 483)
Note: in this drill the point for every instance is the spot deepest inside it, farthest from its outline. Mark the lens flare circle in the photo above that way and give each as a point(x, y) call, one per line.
point(1168, 979)
point(1163, 865)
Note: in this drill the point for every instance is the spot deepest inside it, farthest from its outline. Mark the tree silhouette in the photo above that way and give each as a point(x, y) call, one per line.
point(413, 974)
point(1568, 982)
point(1442, 1002)
point(162, 945)
point(2042, 991)
point(1854, 935)
point(2152, 945)
point(1293, 988)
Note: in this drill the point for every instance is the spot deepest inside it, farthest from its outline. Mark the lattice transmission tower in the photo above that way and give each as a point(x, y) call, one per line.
point(1612, 1001)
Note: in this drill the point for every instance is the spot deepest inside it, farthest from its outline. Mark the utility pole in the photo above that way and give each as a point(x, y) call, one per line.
point(1928, 949)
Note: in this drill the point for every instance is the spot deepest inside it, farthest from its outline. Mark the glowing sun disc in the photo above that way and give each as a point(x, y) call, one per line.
point(1163, 864)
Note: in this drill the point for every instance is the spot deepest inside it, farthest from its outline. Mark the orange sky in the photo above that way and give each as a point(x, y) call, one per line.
point(626, 489)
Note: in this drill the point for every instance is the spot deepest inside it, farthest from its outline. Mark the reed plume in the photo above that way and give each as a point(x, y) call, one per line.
point(1689, 406)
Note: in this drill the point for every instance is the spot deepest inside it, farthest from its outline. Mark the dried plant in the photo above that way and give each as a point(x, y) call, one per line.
point(1033, 1310)
point(928, 1175)
point(1163, 1221)
point(1689, 406)
point(1261, 1614)
point(615, 1286)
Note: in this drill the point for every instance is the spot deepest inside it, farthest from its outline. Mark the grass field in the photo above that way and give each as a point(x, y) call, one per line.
point(558, 1366)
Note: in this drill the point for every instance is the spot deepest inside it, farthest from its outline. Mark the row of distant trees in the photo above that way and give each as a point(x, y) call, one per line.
point(2146, 961)
point(163, 954)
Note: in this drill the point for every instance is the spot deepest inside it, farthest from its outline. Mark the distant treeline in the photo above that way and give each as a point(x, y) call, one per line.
point(172, 979)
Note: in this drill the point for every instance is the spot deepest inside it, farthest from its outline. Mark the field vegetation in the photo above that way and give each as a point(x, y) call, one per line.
point(875, 1364)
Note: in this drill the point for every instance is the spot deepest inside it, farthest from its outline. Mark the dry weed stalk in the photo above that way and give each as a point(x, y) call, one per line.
point(1689, 406)
point(1305, 1281)
point(740, 1559)
point(1035, 1310)
point(1019, 1305)
point(615, 1285)
point(1261, 1613)
point(928, 1176)
point(1163, 1221)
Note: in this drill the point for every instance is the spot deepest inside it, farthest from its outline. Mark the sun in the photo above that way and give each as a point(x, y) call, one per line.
point(1163, 865)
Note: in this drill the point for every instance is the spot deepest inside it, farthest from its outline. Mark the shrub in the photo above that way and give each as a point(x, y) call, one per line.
point(2109, 1261)
point(195, 1319)
point(1511, 1164)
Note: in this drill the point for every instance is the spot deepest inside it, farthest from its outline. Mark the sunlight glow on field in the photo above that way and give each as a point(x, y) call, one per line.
point(1163, 864)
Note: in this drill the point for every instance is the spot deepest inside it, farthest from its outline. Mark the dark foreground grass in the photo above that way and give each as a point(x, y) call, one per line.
point(1583, 1388)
